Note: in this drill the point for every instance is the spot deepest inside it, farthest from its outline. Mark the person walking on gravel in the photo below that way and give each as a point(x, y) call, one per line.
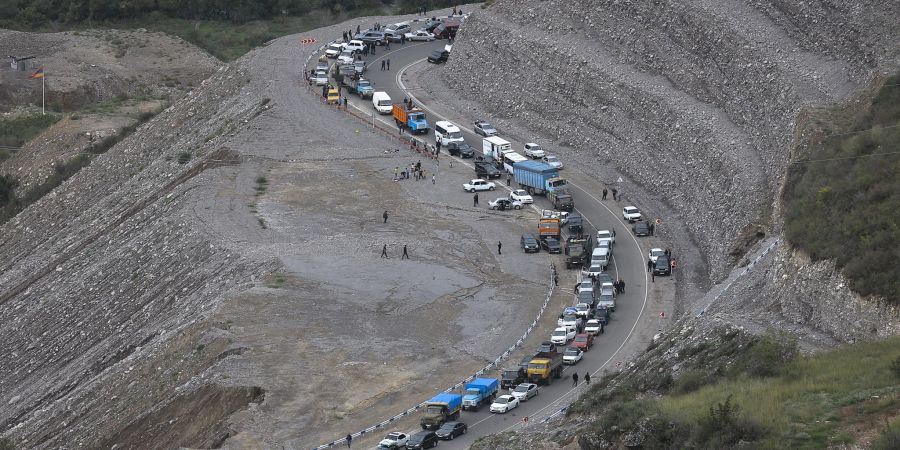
point(615, 194)
point(499, 246)
point(575, 379)
point(604, 193)
point(384, 251)
point(475, 198)
point(349, 440)
point(405, 255)
point(385, 215)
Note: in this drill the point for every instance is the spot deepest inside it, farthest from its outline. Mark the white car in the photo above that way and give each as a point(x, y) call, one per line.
point(583, 310)
point(606, 235)
point(631, 214)
point(562, 335)
point(420, 35)
point(346, 57)
point(321, 78)
point(586, 285)
point(521, 195)
point(594, 270)
point(572, 355)
point(525, 391)
point(394, 439)
point(535, 151)
point(594, 327)
point(563, 216)
point(656, 253)
point(504, 403)
point(335, 49)
point(553, 161)
point(479, 185)
point(505, 203)
point(355, 46)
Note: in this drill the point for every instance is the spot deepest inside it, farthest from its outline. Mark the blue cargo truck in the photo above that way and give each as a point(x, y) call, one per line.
point(541, 178)
point(441, 408)
point(480, 391)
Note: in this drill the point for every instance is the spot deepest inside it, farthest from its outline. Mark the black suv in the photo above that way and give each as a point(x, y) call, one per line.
point(530, 244)
point(461, 149)
point(575, 224)
point(641, 229)
point(486, 169)
point(422, 439)
point(551, 245)
point(438, 56)
point(663, 266)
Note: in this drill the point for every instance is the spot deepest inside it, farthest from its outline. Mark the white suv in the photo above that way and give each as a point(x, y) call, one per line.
point(631, 214)
point(534, 151)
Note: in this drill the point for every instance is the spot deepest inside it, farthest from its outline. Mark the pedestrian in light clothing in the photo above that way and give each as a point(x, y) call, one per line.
point(499, 246)
point(432, 179)
point(604, 193)
point(575, 379)
point(384, 251)
point(349, 440)
point(385, 215)
point(405, 255)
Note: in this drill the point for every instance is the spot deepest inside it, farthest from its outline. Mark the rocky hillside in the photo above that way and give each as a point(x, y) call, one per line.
point(693, 101)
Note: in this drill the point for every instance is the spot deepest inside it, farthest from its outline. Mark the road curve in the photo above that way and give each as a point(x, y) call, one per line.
point(628, 260)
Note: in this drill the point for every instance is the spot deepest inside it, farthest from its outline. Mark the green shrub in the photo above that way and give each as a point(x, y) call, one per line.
point(768, 355)
point(723, 427)
point(848, 195)
point(890, 439)
point(690, 381)
point(17, 131)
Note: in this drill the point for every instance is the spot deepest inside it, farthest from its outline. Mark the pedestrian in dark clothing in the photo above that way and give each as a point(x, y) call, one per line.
point(574, 379)
point(649, 265)
point(349, 440)
point(604, 193)
point(615, 194)
point(373, 48)
point(653, 276)
point(382, 64)
point(668, 253)
point(508, 179)
point(402, 39)
point(499, 246)
point(385, 215)
point(475, 198)
point(652, 228)
point(437, 146)
point(324, 91)
point(357, 29)
point(384, 251)
point(556, 280)
point(575, 289)
point(388, 64)
point(587, 377)
point(621, 285)
point(405, 255)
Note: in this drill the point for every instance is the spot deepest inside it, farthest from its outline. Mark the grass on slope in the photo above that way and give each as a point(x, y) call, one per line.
point(813, 403)
point(16, 131)
point(843, 205)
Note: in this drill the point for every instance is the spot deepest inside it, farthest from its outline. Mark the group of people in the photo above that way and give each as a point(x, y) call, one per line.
point(414, 171)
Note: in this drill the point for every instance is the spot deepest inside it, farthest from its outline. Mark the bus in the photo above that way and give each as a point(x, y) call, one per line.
point(510, 158)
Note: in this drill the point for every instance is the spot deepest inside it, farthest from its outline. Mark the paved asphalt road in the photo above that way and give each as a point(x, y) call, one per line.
point(628, 263)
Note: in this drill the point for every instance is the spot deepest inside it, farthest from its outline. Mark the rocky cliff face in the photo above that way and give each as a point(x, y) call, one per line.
point(695, 101)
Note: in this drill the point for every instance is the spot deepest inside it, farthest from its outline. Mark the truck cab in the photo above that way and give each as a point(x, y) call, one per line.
point(413, 119)
point(544, 367)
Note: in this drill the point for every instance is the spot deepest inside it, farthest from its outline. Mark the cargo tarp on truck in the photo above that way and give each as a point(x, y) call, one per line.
point(480, 391)
point(534, 176)
point(441, 408)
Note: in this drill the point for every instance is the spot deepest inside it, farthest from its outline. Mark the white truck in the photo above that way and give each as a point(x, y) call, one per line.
point(493, 147)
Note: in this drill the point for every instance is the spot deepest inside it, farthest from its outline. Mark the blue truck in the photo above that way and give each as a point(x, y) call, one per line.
point(413, 119)
point(359, 86)
point(441, 408)
point(480, 391)
point(541, 178)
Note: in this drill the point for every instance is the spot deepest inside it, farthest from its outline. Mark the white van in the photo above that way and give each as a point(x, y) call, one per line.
point(445, 132)
point(600, 257)
point(382, 102)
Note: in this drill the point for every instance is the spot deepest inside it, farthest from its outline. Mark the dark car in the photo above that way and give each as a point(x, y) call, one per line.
point(602, 314)
point(422, 439)
point(447, 29)
point(486, 169)
point(451, 430)
point(438, 56)
point(641, 229)
point(551, 244)
point(575, 224)
point(586, 297)
point(530, 244)
point(546, 346)
point(430, 25)
point(461, 149)
point(663, 266)
point(604, 277)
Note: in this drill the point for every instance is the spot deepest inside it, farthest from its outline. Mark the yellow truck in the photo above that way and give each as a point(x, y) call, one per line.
point(544, 367)
point(334, 95)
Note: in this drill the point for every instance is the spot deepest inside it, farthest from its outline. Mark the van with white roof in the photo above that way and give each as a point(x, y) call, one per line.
point(382, 102)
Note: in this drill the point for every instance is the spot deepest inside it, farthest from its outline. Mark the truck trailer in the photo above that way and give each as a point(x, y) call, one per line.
point(537, 177)
point(480, 391)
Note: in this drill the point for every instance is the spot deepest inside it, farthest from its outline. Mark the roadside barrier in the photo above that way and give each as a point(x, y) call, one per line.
point(492, 365)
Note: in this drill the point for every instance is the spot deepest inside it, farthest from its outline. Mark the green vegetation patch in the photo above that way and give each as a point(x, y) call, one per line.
point(843, 203)
point(16, 131)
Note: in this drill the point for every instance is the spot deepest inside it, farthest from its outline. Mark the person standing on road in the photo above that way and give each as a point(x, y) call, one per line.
point(405, 255)
point(555, 280)
point(652, 228)
point(384, 251)
point(508, 179)
point(349, 440)
point(385, 215)
point(653, 276)
point(382, 64)
point(621, 285)
point(432, 179)
point(389, 64)
point(499, 246)
point(575, 379)
point(587, 377)
point(475, 198)
point(604, 193)
point(615, 194)
point(357, 29)
point(649, 265)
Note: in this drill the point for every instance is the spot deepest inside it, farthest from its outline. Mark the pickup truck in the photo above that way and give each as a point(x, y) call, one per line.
point(480, 391)
point(359, 86)
point(441, 408)
point(544, 367)
point(412, 119)
point(510, 378)
point(537, 177)
point(578, 251)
